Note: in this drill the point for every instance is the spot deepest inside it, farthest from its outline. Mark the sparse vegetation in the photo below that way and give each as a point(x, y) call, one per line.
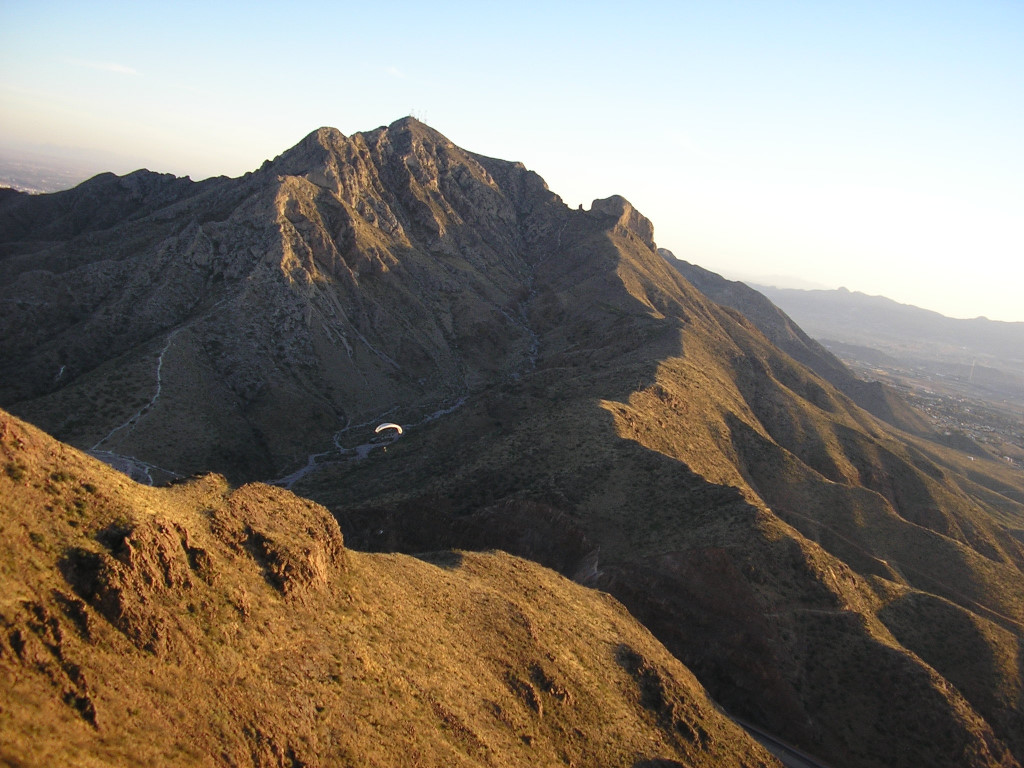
point(240, 629)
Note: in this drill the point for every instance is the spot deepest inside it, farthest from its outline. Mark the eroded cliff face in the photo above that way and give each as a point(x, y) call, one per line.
point(568, 396)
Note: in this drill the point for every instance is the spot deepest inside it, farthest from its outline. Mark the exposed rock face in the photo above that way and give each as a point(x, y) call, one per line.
point(195, 625)
point(628, 219)
point(568, 396)
point(348, 275)
point(298, 545)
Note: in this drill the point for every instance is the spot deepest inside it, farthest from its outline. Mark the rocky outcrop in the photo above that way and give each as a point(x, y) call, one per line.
point(297, 544)
point(627, 218)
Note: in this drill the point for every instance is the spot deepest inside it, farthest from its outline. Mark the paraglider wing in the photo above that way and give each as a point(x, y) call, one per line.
point(389, 425)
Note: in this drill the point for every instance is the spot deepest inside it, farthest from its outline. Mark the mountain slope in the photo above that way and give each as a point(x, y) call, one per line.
point(196, 625)
point(567, 396)
point(382, 290)
point(791, 339)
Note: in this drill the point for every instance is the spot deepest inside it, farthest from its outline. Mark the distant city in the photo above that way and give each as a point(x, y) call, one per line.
point(37, 172)
point(961, 404)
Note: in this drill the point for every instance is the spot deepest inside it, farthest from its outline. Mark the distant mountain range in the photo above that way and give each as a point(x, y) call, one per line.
point(875, 321)
point(800, 540)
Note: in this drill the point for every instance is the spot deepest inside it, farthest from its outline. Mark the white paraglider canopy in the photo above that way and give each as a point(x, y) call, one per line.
point(388, 425)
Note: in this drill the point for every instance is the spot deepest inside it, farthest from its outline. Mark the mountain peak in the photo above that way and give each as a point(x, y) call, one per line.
point(409, 123)
point(313, 151)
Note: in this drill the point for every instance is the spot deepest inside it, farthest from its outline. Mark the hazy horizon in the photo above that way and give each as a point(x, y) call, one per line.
point(874, 147)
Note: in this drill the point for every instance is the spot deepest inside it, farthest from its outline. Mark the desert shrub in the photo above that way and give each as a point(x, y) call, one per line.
point(14, 470)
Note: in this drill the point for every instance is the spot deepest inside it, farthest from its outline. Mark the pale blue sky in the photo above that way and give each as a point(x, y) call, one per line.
point(871, 145)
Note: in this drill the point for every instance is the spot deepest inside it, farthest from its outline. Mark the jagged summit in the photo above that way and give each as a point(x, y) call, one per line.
point(366, 215)
point(312, 149)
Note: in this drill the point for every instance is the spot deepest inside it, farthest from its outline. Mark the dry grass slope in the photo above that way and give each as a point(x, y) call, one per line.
point(200, 625)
